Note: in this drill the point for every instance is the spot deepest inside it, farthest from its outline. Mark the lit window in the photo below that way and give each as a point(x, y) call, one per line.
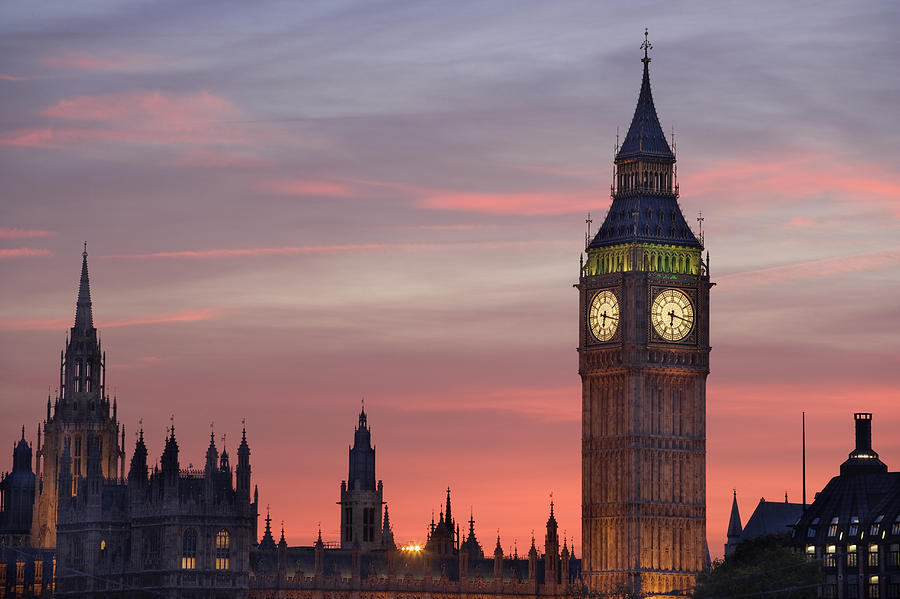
point(830, 556)
point(854, 526)
point(223, 546)
point(851, 555)
point(895, 530)
point(873, 530)
point(833, 529)
point(810, 551)
point(873, 556)
point(873, 588)
point(189, 550)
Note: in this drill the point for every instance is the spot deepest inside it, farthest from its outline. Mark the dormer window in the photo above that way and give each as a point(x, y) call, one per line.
point(833, 529)
point(854, 526)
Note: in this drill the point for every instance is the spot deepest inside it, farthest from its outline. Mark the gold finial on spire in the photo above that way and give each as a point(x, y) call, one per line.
point(646, 46)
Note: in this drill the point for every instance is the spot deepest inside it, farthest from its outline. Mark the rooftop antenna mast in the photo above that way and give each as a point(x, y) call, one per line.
point(804, 460)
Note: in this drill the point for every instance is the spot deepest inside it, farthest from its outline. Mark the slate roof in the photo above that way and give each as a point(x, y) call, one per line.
point(772, 518)
point(645, 137)
point(658, 220)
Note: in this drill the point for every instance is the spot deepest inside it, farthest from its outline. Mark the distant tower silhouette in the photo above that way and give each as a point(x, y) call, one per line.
point(361, 497)
point(83, 416)
point(734, 527)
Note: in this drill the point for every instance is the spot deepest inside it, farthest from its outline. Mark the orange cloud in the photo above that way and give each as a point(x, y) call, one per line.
point(49, 324)
point(299, 187)
point(825, 267)
point(82, 61)
point(24, 252)
point(24, 233)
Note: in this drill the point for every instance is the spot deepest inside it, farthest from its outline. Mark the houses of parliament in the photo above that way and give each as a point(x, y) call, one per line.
point(83, 515)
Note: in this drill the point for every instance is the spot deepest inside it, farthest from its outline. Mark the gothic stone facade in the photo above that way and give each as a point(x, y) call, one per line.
point(643, 361)
point(169, 533)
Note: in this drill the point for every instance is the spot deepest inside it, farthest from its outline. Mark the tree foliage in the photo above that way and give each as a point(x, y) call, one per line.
point(764, 567)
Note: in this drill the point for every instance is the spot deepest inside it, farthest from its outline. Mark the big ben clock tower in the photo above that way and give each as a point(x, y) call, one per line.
point(643, 360)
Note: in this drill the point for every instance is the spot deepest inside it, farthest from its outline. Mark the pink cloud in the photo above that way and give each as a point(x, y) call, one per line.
point(299, 187)
point(800, 222)
point(11, 78)
point(24, 252)
point(154, 106)
point(274, 251)
point(28, 138)
point(140, 117)
point(82, 61)
point(24, 233)
point(825, 267)
point(45, 324)
point(780, 177)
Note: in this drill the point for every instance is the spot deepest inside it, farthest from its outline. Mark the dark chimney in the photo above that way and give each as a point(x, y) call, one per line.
point(863, 431)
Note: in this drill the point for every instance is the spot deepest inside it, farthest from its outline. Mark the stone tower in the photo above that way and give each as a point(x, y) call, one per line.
point(643, 361)
point(361, 498)
point(82, 416)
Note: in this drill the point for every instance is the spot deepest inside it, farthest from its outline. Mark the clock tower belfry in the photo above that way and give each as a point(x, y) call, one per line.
point(643, 361)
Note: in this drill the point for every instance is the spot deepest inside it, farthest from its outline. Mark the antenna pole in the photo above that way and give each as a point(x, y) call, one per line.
point(804, 461)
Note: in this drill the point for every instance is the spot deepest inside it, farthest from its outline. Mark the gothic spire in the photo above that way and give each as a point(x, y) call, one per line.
point(734, 523)
point(84, 319)
point(447, 517)
point(645, 137)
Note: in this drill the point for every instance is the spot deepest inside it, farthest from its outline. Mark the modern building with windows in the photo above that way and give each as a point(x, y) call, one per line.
point(853, 525)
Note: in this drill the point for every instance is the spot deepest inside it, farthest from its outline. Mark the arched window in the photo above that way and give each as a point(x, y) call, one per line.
point(189, 549)
point(223, 550)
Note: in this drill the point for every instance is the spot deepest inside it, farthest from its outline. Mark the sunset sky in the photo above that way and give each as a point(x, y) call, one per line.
point(290, 206)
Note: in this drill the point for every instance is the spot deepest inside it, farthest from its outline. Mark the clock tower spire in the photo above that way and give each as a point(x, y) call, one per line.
point(643, 361)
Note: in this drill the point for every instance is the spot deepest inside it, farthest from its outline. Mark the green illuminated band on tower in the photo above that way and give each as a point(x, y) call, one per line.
point(649, 257)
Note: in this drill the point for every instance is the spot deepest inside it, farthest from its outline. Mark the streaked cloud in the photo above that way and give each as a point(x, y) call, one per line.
point(268, 251)
point(52, 324)
point(23, 253)
point(24, 233)
point(775, 178)
point(826, 267)
point(84, 61)
point(301, 187)
point(527, 204)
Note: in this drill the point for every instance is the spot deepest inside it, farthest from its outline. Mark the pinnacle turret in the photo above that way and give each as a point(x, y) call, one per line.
point(84, 318)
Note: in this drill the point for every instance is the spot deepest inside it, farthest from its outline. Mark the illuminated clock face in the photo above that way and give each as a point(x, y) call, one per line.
point(672, 315)
point(604, 315)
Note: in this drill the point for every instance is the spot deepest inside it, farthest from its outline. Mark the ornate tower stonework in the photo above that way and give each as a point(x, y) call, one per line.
point(83, 417)
point(361, 499)
point(643, 361)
